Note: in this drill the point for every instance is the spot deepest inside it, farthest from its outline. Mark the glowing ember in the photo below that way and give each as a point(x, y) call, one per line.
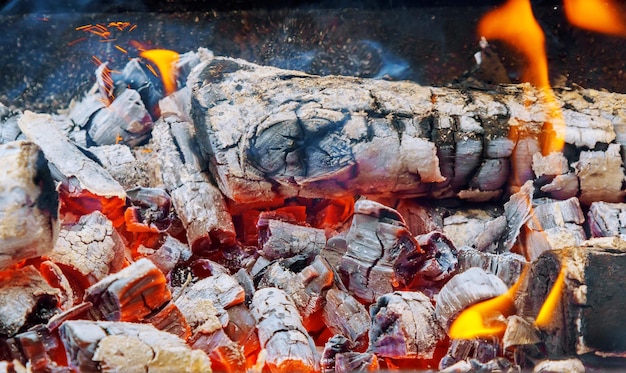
point(552, 300)
point(165, 60)
point(595, 15)
point(514, 23)
point(486, 318)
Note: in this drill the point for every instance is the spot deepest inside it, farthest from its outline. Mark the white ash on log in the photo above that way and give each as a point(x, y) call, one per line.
point(26, 299)
point(571, 365)
point(404, 326)
point(336, 136)
point(9, 130)
point(473, 227)
point(421, 217)
point(83, 180)
point(128, 347)
point(132, 294)
point(128, 166)
point(381, 253)
point(198, 203)
point(587, 318)
point(607, 219)
point(91, 247)
point(553, 225)
point(288, 346)
point(507, 266)
point(465, 289)
point(347, 317)
point(338, 357)
point(29, 206)
point(279, 239)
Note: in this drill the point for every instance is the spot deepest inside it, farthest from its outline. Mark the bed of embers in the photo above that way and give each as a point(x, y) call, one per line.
point(250, 218)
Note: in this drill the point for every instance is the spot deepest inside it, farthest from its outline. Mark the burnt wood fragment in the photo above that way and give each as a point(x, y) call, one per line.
point(404, 326)
point(347, 317)
point(288, 346)
point(507, 266)
point(381, 253)
point(92, 247)
point(334, 136)
point(587, 320)
point(607, 219)
point(94, 346)
point(132, 294)
point(29, 206)
point(338, 357)
point(279, 239)
point(198, 203)
point(26, 299)
point(439, 262)
point(465, 289)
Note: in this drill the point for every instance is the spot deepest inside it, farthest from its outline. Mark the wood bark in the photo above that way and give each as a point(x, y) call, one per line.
point(29, 206)
point(94, 346)
point(271, 133)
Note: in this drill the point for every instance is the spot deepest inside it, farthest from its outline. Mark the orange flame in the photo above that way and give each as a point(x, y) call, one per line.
point(595, 15)
point(165, 60)
point(552, 301)
point(486, 318)
point(515, 23)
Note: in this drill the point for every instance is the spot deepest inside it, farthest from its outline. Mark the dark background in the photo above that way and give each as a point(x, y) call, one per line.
point(42, 66)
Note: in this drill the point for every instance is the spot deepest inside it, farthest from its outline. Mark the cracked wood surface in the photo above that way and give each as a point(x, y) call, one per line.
point(272, 133)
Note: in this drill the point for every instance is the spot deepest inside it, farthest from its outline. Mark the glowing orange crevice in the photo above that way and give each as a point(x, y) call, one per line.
point(165, 61)
point(595, 15)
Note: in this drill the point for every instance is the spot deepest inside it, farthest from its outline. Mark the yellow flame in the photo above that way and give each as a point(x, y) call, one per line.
point(515, 24)
point(595, 15)
point(165, 61)
point(486, 318)
point(552, 300)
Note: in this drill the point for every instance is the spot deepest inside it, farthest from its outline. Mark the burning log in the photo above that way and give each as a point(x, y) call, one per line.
point(131, 294)
point(404, 326)
point(337, 357)
point(128, 168)
point(26, 299)
point(91, 247)
point(440, 261)
point(607, 219)
point(129, 347)
point(288, 346)
point(583, 318)
point(198, 203)
point(29, 205)
point(340, 136)
point(381, 253)
point(507, 266)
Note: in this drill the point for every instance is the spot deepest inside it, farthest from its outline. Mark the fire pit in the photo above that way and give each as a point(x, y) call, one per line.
point(313, 188)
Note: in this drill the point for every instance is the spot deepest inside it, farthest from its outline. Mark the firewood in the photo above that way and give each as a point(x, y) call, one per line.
point(571, 365)
point(207, 332)
point(92, 247)
point(607, 219)
point(465, 289)
point(507, 266)
point(439, 262)
point(94, 346)
point(171, 253)
point(9, 130)
point(29, 206)
point(346, 316)
point(149, 210)
point(404, 326)
point(381, 253)
point(467, 350)
point(553, 225)
point(278, 239)
point(131, 294)
point(473, 227)
point(420, 217)
point(68, 295)
point(25, 299)
point(198, 203)
point(334, 136)
point(586, 319)
point(520, 331)
point(289, 348)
